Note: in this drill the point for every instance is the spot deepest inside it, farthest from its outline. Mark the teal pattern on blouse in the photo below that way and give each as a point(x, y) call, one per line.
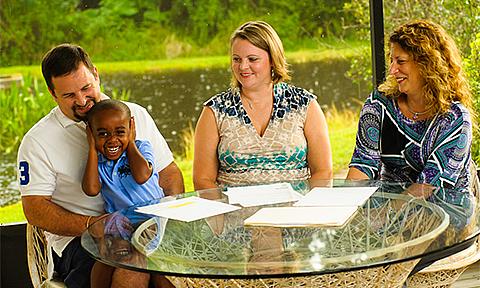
point(280, 154)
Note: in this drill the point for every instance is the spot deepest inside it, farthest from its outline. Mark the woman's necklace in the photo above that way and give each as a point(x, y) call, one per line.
point(249, 103)
point(416, 114)
point(259, 105)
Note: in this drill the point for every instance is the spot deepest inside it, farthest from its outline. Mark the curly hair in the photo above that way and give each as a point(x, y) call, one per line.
point(439, 63)
point(263, 36)
point(107, 105)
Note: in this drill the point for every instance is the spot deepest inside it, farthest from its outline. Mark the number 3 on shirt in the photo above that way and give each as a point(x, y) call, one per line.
point(23, 168)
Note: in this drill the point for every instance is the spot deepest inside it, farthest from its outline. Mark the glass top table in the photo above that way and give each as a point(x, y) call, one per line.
point(387, 236)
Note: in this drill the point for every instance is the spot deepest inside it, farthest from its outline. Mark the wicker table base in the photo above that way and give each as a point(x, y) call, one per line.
point(381, 277)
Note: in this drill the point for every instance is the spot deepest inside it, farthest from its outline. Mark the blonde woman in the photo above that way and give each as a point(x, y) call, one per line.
point(261, 129)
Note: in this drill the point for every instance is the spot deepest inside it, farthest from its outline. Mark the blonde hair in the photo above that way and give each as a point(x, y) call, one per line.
point(439, 63)
point(263, 36)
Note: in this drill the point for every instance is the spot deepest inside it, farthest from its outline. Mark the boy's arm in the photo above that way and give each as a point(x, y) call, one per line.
point(91, 180)
point(141, 169)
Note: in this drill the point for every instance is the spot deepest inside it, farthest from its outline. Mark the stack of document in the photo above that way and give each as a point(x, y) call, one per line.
point(187, 209)
point(320, 207)
point(300, 216)
point(258, 195)
point(337, 196)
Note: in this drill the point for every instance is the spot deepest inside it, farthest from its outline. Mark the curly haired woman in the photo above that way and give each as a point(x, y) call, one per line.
point(417, 127)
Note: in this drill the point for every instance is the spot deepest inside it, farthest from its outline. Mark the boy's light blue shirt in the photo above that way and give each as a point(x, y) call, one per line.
point(119, 188)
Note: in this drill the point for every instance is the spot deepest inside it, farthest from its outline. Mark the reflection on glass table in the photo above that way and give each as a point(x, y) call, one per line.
point(377, 247)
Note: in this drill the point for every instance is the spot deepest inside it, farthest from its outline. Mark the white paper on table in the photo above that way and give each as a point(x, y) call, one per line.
point(301, 216)
point(257, 195)
point(188, 209)
point(337, 196)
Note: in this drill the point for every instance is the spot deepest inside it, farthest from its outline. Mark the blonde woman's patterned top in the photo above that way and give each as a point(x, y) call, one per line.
point(280, 154)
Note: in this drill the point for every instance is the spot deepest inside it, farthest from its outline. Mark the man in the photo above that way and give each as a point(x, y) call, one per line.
point(52, 158)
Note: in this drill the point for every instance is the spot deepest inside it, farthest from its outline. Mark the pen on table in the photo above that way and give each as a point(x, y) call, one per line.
point(181, 204)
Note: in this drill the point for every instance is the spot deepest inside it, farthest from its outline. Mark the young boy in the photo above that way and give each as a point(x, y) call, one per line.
point(119, 167)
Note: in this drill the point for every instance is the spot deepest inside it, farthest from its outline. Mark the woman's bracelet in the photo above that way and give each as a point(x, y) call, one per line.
point(88, 221)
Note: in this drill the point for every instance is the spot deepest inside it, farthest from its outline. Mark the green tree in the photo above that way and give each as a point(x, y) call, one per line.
point(150, 29)
point(473, 71)
point(30, 27)
point(460, 17)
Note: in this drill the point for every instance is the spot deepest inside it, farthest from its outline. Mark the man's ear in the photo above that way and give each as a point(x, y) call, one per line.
point(52, 93)
point(95, 73)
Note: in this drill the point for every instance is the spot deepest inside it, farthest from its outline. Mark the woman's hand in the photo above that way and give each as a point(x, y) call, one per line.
point(420, 190)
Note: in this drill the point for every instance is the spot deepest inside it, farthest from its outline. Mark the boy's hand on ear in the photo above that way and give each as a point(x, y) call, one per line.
point(133, 132)
point(90, 138)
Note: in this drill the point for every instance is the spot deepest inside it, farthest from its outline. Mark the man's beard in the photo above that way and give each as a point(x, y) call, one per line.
point(83, 118)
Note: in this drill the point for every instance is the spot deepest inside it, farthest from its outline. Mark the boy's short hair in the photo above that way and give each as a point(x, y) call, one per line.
point(108, 104)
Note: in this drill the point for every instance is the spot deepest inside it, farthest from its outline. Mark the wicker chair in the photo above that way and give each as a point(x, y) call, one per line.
point(37, 256)
point(444, 272)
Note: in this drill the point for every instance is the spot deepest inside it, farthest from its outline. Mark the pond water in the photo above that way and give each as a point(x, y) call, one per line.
point(175, 98)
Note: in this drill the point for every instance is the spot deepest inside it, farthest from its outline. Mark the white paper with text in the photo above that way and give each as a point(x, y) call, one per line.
point(337, 196)
point(301, 216)
point(257, 195)
point(188, 209)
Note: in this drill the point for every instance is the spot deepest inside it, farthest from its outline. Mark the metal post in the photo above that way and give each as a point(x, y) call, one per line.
point(377, 41)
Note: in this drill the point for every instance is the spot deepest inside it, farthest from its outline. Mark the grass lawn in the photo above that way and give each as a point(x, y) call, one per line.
point(341, 49)
point(12, 213)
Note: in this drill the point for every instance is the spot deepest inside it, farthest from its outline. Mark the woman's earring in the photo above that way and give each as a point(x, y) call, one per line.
point(273, 73)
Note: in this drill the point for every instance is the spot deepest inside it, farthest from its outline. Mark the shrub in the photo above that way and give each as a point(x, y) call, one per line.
point(473, 71)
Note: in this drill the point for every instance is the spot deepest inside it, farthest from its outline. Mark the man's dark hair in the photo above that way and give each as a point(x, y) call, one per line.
point(108, 104)
point(63, 60)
